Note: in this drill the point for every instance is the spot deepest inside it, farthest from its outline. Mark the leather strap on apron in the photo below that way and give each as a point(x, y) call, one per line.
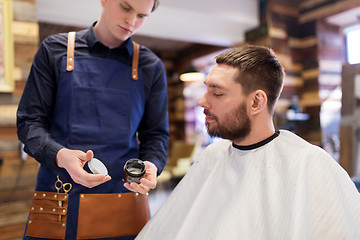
point(70, 56)
point(70, 51)
point(135, 61)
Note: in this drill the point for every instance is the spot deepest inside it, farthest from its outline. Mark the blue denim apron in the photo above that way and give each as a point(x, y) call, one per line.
point(98, 107)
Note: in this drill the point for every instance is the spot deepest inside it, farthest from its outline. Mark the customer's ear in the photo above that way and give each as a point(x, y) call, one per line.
point(259, 101)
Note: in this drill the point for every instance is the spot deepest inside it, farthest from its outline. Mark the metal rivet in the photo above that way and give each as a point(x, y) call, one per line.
point(44, 195)
point(70, 59)
point(134, 76)
point(54, 210)
point(55, 196)
point(32, 209)
point(147, 194)
point(35, 194)
point(41, 209)
point(137, 194)
point(64, 211)
point(65, 197)
point(30, 221)
point(63, 224)
point(82, 196)
point(70, 67)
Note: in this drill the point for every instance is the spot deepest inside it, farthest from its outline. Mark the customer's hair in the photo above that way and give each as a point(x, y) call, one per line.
point(156, 4)
point(258, 69)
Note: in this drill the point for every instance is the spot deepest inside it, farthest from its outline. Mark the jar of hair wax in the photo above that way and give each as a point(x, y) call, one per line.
point(134, 170)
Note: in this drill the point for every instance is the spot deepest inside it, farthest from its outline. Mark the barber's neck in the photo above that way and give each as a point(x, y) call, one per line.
point(105, 37)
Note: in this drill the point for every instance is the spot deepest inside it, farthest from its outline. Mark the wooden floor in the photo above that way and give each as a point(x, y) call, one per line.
point(17, 182)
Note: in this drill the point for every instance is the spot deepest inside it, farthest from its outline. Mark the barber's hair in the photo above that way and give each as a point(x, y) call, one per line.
point(156, 4)
point(258, 69)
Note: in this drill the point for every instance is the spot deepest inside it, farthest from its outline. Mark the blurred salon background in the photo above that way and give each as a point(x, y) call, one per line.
point(317, 41)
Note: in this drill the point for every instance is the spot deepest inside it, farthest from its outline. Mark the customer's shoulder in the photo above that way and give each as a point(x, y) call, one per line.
point(218, 146)
point(293, 142)
point(291, 138)
point(214, 151)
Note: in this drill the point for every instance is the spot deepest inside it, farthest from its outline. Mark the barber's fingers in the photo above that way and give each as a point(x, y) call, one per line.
point(140, 188)
point(132, 187)
point(90, 180)
point(150, 178)
point(148, 183)
point(93, 180)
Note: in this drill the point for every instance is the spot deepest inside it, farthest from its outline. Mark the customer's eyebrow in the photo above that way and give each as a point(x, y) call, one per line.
point(214, 85)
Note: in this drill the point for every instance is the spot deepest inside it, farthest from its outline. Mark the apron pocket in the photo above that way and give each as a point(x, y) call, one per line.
point(48, 214)
point(112, 215)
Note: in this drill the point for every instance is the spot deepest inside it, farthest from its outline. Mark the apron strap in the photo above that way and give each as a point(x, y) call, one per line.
point(70, 56)
point(135, 61)
point(70, 51)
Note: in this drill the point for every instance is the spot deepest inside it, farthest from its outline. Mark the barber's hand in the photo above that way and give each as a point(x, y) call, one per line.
point(73, 161)
point(147, 182)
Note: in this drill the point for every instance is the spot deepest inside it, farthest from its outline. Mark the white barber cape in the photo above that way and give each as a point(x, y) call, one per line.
point(285, 189)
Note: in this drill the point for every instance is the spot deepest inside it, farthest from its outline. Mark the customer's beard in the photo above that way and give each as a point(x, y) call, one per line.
point(235, 125)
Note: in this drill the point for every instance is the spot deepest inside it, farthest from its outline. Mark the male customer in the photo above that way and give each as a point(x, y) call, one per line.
point(260, 183)
point(109, 101)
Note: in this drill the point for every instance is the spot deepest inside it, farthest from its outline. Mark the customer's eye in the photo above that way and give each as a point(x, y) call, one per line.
point(126, 9)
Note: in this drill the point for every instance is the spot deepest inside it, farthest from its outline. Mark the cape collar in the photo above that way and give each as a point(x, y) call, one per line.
point(257, 145)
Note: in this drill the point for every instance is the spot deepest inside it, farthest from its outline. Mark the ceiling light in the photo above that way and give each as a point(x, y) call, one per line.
point(192, 74)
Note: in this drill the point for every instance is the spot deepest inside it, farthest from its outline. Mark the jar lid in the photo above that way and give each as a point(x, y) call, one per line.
point(96, 166)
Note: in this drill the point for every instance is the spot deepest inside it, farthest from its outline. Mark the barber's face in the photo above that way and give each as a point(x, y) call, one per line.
point(124, 17)
point(225, 105)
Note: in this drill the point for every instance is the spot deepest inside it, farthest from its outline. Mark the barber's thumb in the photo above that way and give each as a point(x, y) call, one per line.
point(89, 155)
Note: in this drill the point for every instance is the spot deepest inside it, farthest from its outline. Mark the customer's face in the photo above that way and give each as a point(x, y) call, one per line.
point(224, 104)
point(124, 17)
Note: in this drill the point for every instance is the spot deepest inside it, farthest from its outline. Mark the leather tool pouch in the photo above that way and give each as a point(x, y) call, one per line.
point(112, 215)
point(48, 214)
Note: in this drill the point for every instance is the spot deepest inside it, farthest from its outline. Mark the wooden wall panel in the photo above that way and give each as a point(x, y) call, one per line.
point(26, 32)
point(17, 177)
point(347, 147)
point(322, 9)
point(293, 31)
point(348, 86)
point(350, 122)
point(24, 11)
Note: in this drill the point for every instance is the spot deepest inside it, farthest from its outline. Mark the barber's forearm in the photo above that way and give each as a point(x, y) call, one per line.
point(41, 147)
point(155, 151)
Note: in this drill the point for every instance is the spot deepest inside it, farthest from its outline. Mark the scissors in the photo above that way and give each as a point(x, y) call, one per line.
point(60, 185)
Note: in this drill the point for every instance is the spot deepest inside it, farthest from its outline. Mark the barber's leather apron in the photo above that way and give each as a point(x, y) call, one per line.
point(98, 107)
